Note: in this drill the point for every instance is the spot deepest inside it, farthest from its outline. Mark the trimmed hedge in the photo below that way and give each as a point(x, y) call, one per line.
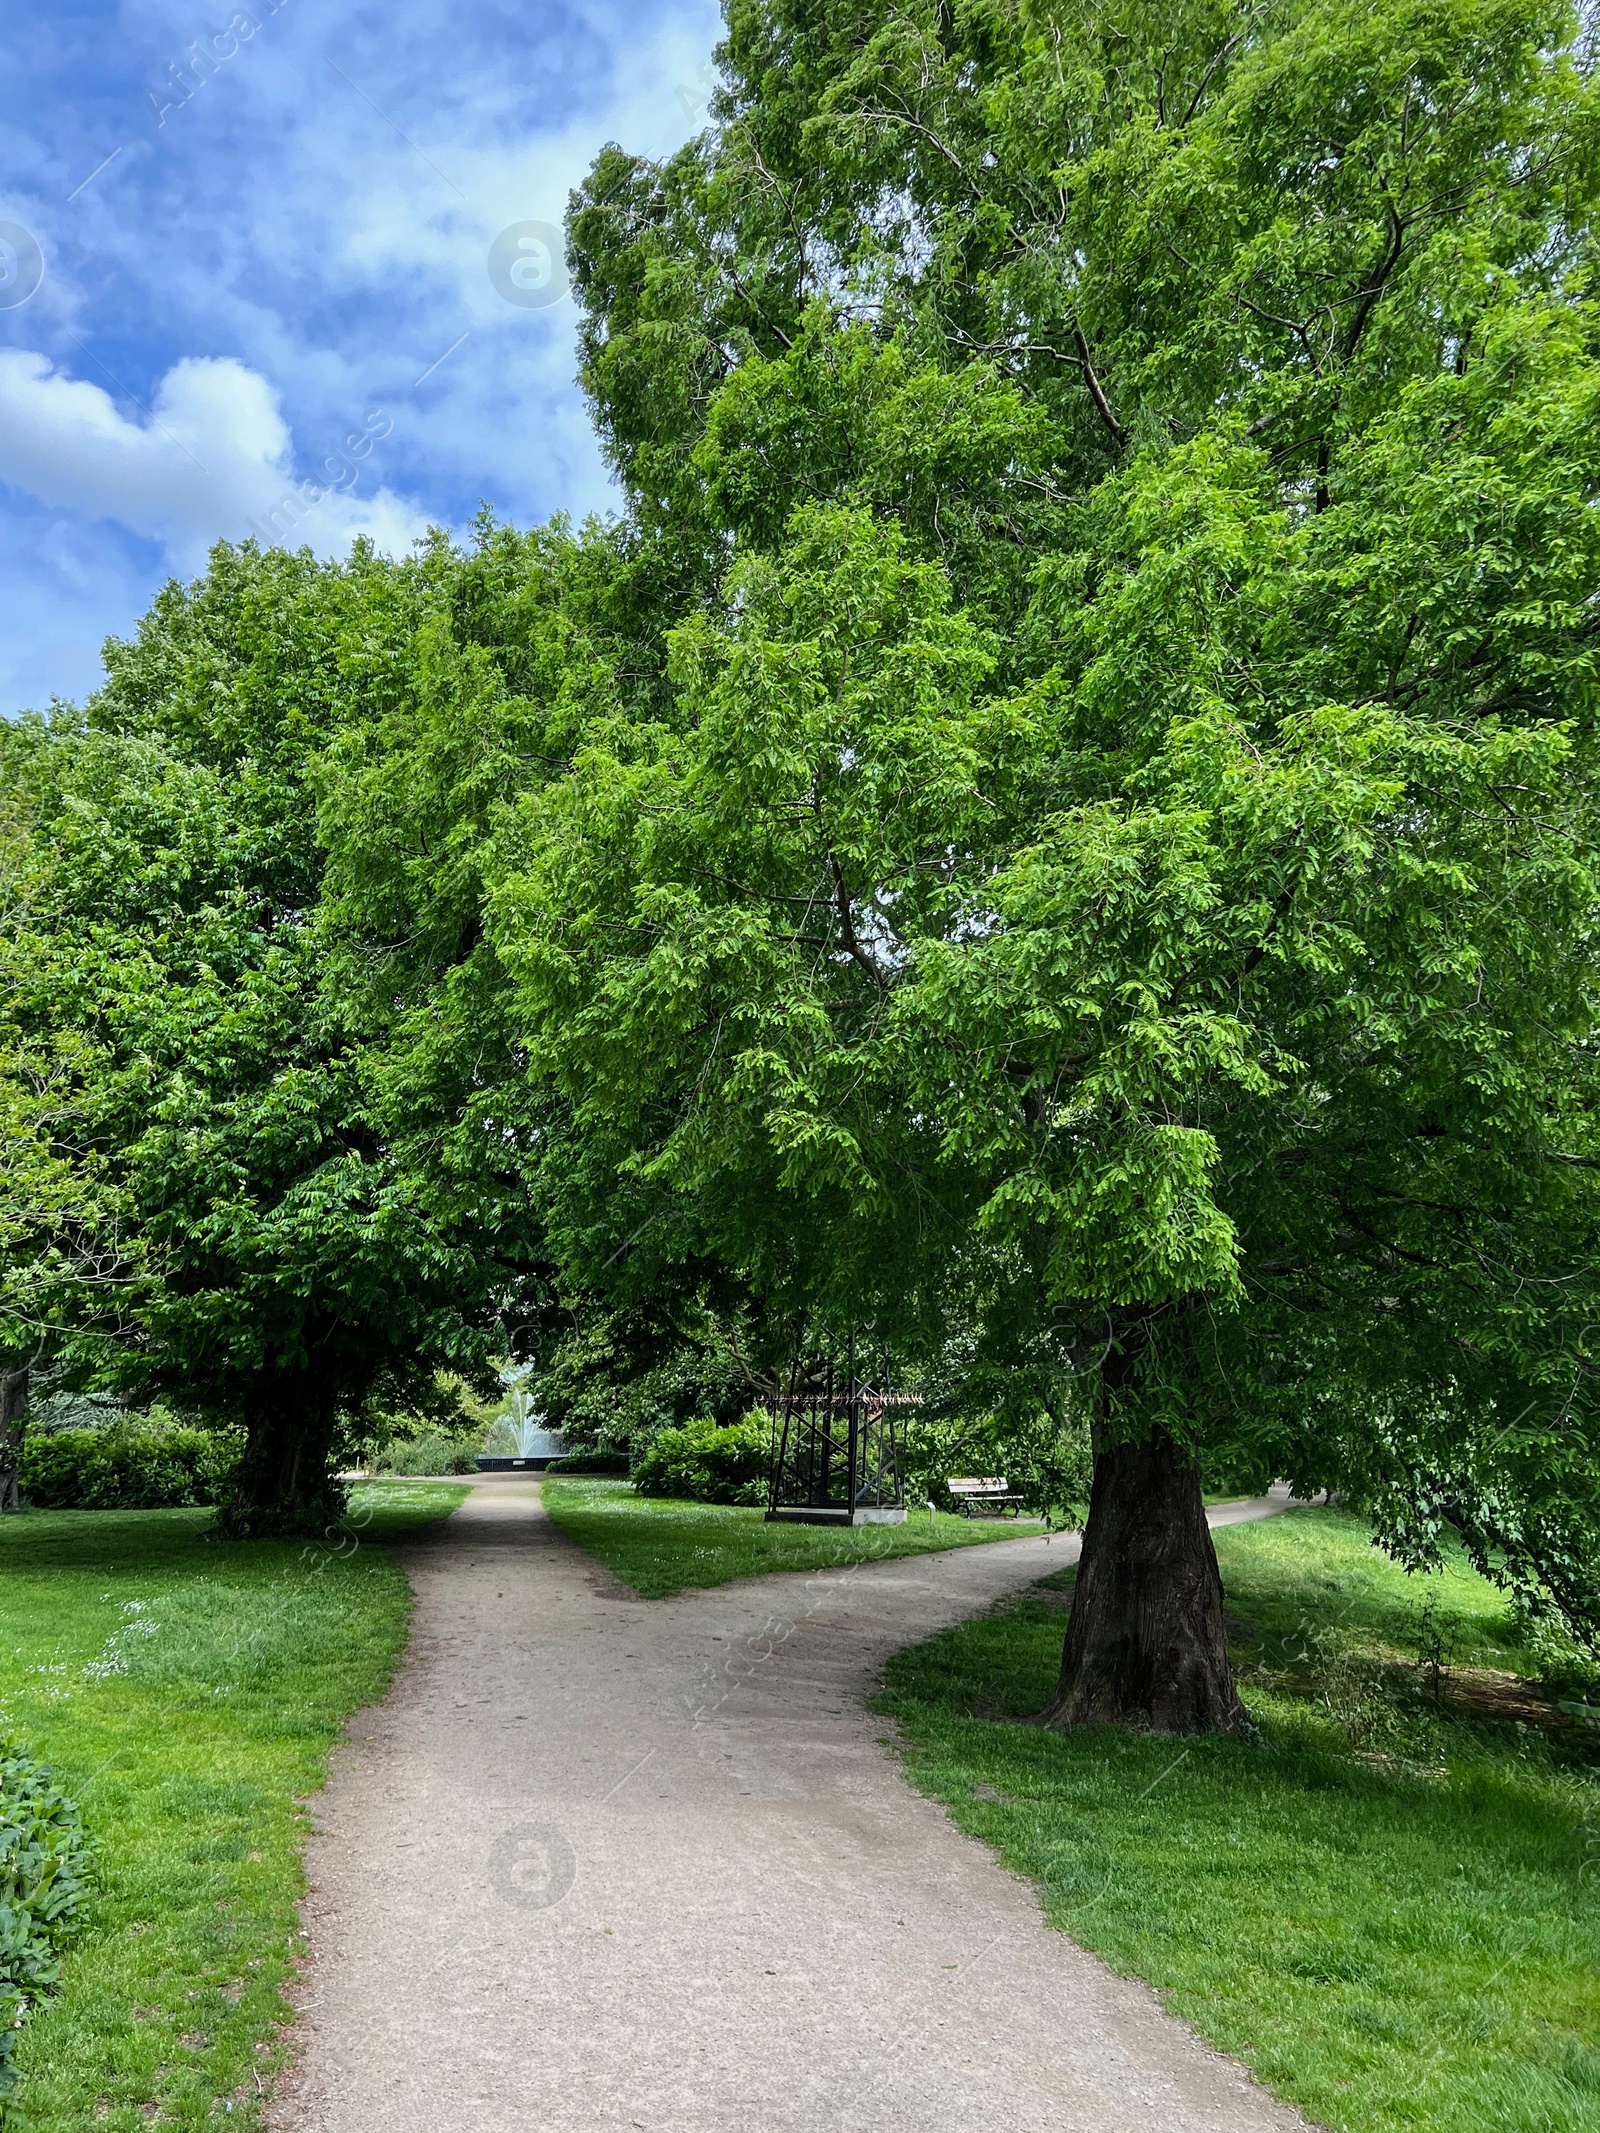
point(125, 1467)
point(708, 1461)
point(45, 1866)
point(589, 1463)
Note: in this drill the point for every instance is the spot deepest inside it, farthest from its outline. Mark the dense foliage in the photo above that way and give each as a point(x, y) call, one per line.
point(1043, 1459)
point(1058, 828)
point(130, 1466)
point(1122, 848)
point(301, 1268)
point(709, 1462)
point(610, 1377)
point(430, 1451)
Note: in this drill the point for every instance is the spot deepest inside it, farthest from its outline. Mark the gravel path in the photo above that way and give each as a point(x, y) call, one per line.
point(604, 1862)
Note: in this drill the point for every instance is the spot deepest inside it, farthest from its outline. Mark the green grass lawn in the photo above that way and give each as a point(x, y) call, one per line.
point(187, 1693)
point(659, 1547)
point(1388, 1904)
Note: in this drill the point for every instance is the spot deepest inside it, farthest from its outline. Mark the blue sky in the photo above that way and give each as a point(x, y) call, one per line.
point(283, 275)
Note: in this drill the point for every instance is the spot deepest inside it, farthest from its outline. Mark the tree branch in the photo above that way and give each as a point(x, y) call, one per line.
point(1102, 405)
point(847, 928)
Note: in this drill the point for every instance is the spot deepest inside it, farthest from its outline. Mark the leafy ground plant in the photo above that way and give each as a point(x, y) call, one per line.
point(431, 1453)
point(659, 1547)
point(187, 1691)
point(45, 1865)
point(1384, 1902)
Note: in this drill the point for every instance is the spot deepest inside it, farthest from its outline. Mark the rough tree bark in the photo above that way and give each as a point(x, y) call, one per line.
point(1145, 1645)
point(283, 1484)
point(14, 1391)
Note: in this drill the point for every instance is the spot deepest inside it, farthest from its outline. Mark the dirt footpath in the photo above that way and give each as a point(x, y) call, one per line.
point(605, 1862)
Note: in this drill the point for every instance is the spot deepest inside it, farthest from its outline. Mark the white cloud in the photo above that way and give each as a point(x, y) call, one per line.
point(321, 213)
point(213, 461)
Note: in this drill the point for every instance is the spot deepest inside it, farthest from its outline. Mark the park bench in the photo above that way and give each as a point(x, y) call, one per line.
point(975, 1493)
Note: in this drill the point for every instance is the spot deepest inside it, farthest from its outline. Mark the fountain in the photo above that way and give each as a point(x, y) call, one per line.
point(536, 1446)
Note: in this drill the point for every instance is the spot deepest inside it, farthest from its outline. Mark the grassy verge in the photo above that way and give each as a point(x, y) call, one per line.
point(1386, 1904)
point(187, 1693)
point(660, 1547)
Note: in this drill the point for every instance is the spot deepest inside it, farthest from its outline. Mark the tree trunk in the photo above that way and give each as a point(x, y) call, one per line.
point(14, 1391)
point(1145, 1640)
point(282, 1484)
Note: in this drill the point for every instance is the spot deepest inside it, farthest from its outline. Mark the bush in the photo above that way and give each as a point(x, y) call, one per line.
point(433, 1452)
point(589, 1463)
point(1047, 1462)
point(45, 1860)
point(709, 1461)
point(126, 1467)
point(1555, 1660)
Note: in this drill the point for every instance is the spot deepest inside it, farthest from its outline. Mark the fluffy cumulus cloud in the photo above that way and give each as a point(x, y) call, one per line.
point(270, 300)
point(212, 461)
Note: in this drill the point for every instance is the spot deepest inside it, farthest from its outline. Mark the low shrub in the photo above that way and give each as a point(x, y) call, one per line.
point(45, 1862)
point(126, 1467)
point(432, 1452)
point(589, 1463)
point(709, 1461)
point(1560, 1665)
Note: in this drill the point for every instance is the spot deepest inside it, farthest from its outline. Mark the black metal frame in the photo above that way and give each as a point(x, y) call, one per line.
point(835, 1445)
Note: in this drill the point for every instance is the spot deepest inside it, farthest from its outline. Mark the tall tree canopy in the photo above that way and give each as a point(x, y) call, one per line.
point(298, 1261)
point(68, 1268)
point(1118, 853)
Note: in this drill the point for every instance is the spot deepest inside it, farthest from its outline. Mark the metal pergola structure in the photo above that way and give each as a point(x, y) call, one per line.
point(836, 1445)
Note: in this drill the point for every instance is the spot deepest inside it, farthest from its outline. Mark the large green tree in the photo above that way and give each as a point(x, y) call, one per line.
point(306, 1255)
point(69, 1270)
point(1117, 856)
